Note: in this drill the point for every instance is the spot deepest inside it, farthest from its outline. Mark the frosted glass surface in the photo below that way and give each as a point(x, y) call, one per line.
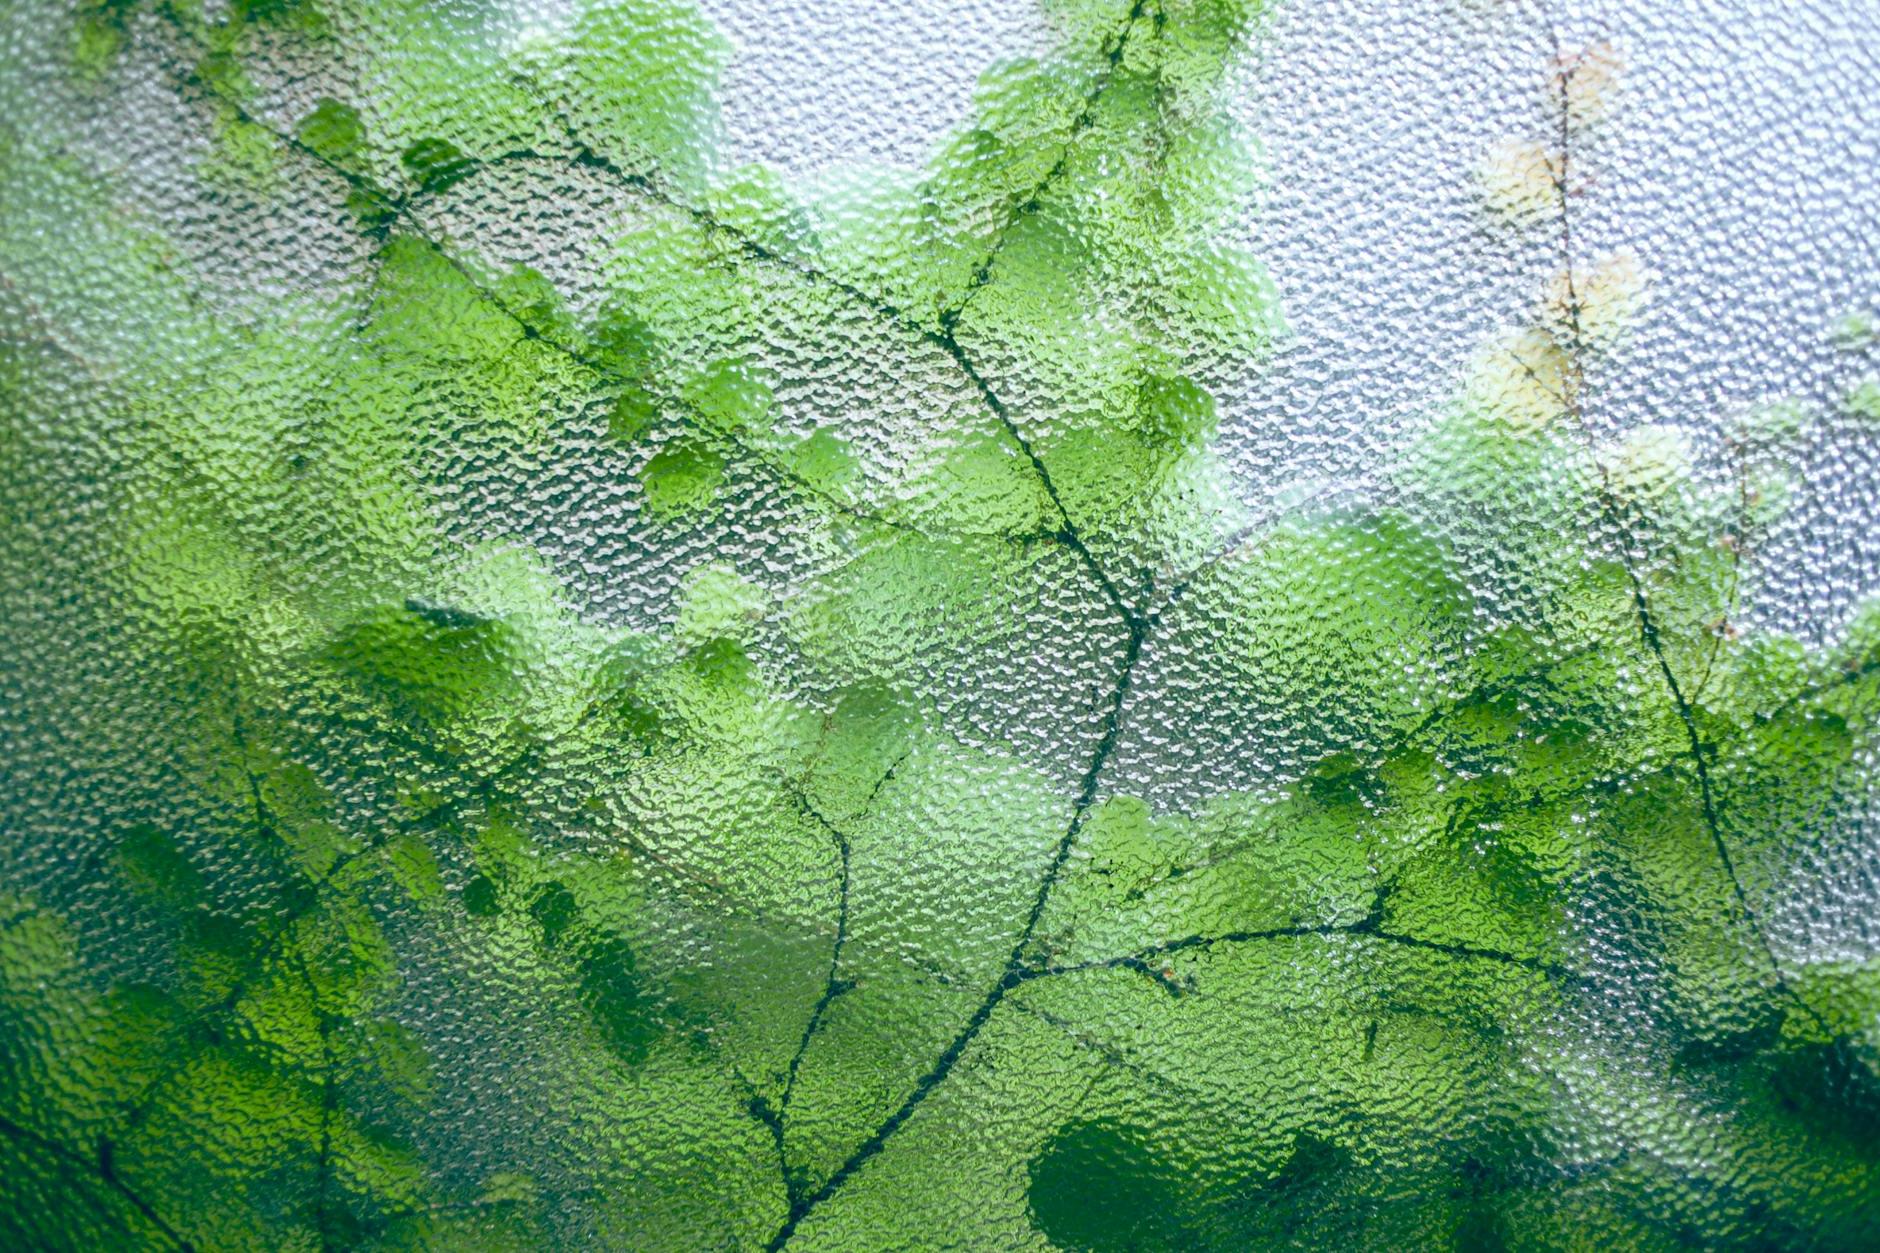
point(1082, 624)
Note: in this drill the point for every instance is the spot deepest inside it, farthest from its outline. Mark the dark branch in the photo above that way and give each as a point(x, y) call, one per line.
point(1010, 977)
point(277, 936)
point(1086, 116)
point(99, 1168)
point(1573, 383)
point(944, 338)
point(401, 209)
point(833, 983)
point(1141, 961)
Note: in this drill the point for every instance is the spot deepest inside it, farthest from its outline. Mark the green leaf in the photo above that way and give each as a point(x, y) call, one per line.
point(334, 130)
point(436, 164)
point(154, 865)
point(682, 479)
point(1099, 1186)
point(432, 662)
point(624, 1011)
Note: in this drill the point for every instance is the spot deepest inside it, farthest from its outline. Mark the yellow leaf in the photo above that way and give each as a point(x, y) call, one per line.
point(1521, 180)
point(1589, 307)
point(1588, 83)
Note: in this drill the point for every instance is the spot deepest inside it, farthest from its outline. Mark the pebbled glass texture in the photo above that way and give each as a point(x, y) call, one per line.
point(1097, 624)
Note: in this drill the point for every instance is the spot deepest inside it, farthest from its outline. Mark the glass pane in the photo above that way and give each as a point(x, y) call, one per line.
point(1098, 624)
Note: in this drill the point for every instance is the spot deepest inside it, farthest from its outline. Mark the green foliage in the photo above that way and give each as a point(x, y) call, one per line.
point(1097, 1186)
point(406, 896)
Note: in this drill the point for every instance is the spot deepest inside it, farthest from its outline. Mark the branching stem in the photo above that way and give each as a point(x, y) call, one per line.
point(1573, 381)
point(101, 1169)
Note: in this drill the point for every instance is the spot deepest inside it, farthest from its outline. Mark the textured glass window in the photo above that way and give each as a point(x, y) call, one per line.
point(1098, 624)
